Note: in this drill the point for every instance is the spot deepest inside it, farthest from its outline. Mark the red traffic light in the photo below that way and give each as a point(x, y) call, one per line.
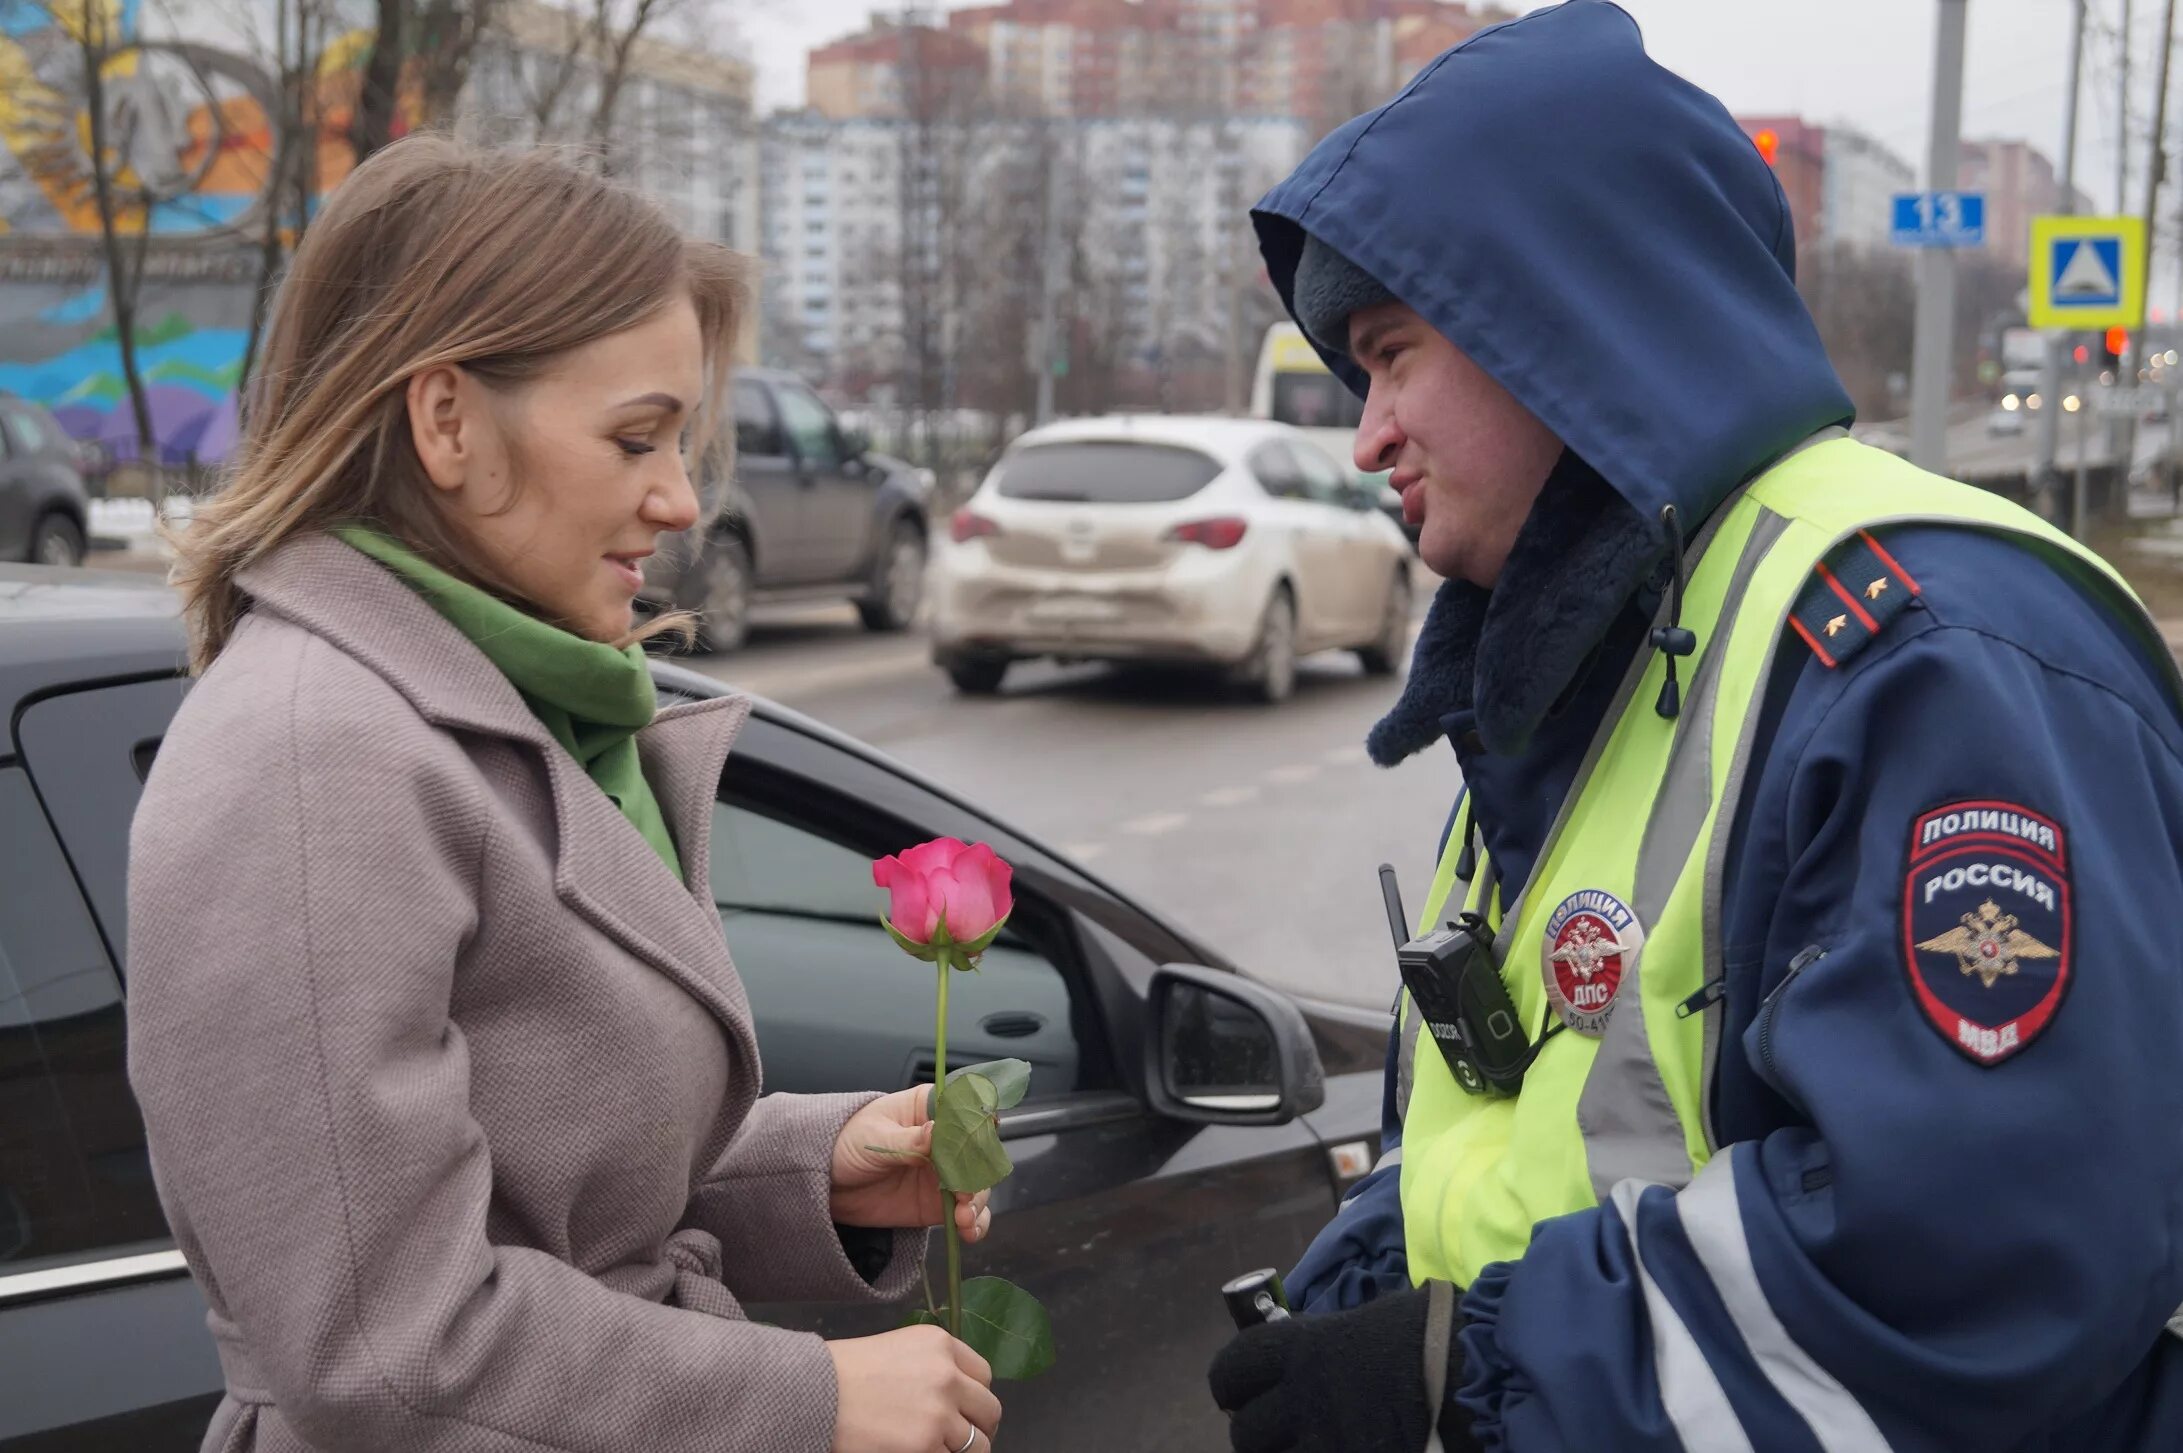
point(2118, 339)
point(1768, 142)
point(2084, 354)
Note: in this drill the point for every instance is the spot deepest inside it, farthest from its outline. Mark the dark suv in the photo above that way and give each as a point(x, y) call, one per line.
point(1185, 1123)
point(43, 508)
point(811, 514)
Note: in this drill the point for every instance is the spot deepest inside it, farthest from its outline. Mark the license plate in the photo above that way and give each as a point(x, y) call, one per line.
point(1075, 610)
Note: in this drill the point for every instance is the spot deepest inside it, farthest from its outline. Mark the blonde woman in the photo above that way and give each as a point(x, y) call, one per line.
point(452, 1091)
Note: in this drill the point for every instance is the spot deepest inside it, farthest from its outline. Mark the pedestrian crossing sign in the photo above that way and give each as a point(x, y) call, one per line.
point(2087, 272)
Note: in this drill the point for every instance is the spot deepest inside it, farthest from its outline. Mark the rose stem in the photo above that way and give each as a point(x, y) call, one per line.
point(947, 1198)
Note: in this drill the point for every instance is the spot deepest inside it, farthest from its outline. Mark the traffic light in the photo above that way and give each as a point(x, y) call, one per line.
point(2083, 354)
point(1768, 141)
point(2118, 342)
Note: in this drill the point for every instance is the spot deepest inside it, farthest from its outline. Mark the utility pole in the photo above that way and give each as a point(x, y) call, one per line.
point(1936, 322)
point(2158, 169)
point(2049, 418)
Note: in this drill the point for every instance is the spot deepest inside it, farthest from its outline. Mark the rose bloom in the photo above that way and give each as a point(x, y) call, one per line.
point(966, 881)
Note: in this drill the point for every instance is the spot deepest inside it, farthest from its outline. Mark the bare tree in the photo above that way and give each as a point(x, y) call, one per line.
point(301, 30)
point(939, 134)
point(372, 125)
point(588, 52)
point(615, 32)
point(448, 33)
point(428, 43)
point(1863, 301)
point(113, 159)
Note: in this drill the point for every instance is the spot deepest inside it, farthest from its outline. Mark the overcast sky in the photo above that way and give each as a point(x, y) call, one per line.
point(1869, 62)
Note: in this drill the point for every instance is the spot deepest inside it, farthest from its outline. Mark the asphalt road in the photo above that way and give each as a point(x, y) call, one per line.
point(1258, 829)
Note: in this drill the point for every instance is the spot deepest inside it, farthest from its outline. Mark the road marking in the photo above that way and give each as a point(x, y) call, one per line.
point(762, 678)
point(1084, 852)
point(1159, 824)
point(1295, 774)
point(1228, 796)
point(1346, 757)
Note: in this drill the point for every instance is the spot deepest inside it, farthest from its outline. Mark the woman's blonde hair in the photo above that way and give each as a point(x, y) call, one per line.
point(433, 253)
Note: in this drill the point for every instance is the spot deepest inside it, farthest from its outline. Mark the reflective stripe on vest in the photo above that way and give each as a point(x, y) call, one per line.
point(1644, 822)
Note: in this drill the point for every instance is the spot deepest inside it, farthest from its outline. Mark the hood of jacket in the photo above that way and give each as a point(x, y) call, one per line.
point(1601, 237)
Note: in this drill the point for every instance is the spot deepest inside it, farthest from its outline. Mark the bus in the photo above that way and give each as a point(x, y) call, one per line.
point(1293, 386)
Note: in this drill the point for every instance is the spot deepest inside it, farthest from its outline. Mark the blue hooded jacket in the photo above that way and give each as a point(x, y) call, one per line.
point(1900, 1246)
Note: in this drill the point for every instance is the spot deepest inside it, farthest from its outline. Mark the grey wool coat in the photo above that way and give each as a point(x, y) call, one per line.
point(451, 1089)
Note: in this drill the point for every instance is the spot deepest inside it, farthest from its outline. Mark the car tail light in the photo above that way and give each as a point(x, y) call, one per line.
point(1223, 533)
point(968, 526)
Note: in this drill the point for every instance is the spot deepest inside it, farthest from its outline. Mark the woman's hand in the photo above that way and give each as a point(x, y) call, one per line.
point(913, 1391)
point(883, 1174)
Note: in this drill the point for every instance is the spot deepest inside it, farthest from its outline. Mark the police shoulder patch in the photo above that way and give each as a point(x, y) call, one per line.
point(1850, 599)
point(1986, 924)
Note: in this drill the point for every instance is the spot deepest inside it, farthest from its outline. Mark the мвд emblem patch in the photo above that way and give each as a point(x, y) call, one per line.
point(1986, 924)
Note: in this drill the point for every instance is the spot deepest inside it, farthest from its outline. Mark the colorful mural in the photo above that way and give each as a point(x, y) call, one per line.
point(189, 147)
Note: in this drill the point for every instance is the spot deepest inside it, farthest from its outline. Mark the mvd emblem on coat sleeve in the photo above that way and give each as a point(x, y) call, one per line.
point(1986, 924)
point(1592, 938)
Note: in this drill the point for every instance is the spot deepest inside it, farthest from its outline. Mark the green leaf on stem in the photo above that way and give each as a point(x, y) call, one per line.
point(1006, 1326)
point(1010, 1077)
point(1002, 1323)
point(966, 1137)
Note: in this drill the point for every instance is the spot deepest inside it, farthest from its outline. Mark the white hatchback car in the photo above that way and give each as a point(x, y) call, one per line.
point(1235, 544)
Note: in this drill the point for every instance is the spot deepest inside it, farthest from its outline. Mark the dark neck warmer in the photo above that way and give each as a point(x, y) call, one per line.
point(1508, 654)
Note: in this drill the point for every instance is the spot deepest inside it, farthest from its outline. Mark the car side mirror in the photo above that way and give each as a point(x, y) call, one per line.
point(1226, 1051)
point(855, 443)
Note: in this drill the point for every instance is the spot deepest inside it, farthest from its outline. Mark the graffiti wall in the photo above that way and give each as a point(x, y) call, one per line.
point(188, 149)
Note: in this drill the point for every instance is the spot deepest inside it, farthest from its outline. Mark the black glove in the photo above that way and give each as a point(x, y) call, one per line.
point(1351, 1382)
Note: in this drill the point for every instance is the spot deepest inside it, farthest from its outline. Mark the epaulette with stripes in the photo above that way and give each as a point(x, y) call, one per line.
point(1851, 599)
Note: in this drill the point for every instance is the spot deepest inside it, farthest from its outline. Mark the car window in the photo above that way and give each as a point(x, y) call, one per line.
point(29, 431)
point(838, 1006)
point(810, 427)
point(1315, 401)
point(757, 431)
point(1324, 480)
point(1278, 471)
point(75, 1178)
point(1106, 472)
point(88, 753)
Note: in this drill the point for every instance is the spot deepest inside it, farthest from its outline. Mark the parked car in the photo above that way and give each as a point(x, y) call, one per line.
point(810, 514)
point(44, 507)
point(1186, 1123)
point(1230, 544)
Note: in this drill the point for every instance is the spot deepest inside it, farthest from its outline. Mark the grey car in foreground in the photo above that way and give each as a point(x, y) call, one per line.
point(1185, 1123)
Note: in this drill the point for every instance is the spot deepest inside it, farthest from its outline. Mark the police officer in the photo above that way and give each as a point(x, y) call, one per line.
point(1821, 827)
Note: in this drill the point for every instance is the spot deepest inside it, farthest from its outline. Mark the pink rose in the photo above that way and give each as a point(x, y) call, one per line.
point(967, 881)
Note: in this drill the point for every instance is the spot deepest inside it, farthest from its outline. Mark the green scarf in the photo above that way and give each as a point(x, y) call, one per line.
point(591, 697)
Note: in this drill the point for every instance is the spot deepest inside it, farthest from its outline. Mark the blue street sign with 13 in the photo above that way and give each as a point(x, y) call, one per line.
point(1939, 219)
